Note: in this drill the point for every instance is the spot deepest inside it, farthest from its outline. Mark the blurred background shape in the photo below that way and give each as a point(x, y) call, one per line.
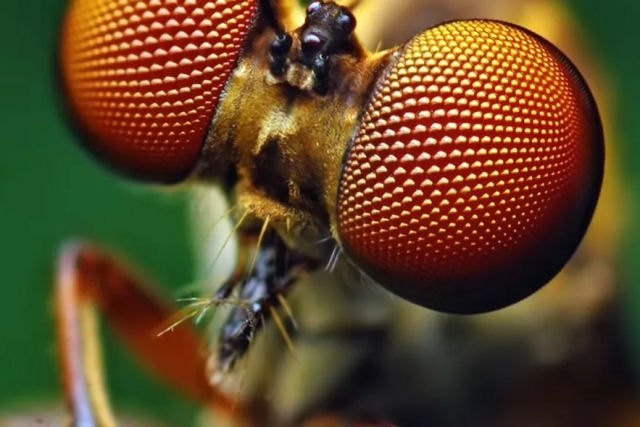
point(50, 190)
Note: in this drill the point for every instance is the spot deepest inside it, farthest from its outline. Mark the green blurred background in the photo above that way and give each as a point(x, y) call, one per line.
point(50, 191)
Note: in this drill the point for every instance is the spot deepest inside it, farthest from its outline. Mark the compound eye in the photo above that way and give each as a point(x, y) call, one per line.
point(475, 170)
point(144, 78)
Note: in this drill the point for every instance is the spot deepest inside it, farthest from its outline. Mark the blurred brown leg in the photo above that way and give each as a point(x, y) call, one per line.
point(89, 279)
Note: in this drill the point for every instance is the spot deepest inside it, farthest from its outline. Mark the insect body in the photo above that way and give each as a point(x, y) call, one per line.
point(460, 170)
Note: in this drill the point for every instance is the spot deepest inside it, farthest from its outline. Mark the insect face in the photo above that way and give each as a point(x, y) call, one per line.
point(475, 170)
point(145, 78)
point(460, 170)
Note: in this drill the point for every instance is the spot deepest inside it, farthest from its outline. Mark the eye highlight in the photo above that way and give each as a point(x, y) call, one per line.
point(314, 7)
point(475, 170)
point(347, 22)
point(144, 78)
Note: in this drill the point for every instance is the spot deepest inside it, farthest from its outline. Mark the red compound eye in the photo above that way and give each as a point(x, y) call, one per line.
point(475, 170)
point(144, 77)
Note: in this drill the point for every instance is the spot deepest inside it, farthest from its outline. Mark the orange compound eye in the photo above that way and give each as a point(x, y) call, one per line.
point(144, 77)
point(475, 170)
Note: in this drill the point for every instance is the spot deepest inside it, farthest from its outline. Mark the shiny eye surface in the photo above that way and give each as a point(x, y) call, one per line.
point(475, 170)
point(314, 7)
point(144, 77)
point(347, 22)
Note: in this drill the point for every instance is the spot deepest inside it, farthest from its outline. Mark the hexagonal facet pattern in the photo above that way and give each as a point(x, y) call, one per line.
point(475, 169)
point(144, 76)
